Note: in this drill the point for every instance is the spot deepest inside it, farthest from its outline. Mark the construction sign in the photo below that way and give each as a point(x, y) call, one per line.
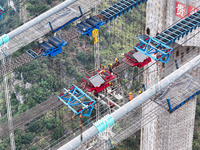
point(191, 10)
point(95, 34)
point(180, 10)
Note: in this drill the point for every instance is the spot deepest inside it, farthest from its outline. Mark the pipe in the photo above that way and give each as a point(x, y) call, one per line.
point(40, 18)
point(142, 98)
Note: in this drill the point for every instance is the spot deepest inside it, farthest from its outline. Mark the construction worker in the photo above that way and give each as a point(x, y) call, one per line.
point(117, 62)
point(100, 73)
point(110, 68)
point(73, 117)
point(130, 96)
point(96, 94)
point(111, 104)
point(111, 85)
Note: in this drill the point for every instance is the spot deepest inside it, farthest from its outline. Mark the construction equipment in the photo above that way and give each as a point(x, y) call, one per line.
point(77, 100)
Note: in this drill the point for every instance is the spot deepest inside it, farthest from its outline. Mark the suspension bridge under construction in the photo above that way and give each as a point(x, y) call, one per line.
point(163, 110)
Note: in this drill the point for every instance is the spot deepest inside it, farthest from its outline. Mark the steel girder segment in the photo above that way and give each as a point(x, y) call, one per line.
point(120, 8)
point(180, 29)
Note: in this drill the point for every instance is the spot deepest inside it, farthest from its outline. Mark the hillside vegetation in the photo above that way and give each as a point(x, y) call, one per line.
point(37, 81)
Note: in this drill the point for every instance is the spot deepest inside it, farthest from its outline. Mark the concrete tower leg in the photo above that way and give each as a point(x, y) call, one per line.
point(175, 130)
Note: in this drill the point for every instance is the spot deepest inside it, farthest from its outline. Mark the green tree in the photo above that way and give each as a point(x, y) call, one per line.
point(31, 103)
point(22, 108)
point(18, 139)
point(27, 138)
point(33, 126)
point(34, 147)
point(49, 123)
point(59, 130)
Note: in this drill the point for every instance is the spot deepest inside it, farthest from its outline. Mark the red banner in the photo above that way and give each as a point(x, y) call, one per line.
point(191, 10)
point(180, 10)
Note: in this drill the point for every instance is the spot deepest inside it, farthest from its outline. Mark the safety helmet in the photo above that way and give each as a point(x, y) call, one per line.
point(139, 92)
point(111, 64)
point(130, 93)
point(115, 59)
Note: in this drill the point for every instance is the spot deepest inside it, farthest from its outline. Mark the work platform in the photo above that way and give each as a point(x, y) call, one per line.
point(180, 92)
point(98, 80)
point(134, 58)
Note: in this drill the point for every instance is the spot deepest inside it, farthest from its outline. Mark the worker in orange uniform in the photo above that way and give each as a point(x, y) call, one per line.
point(110, 68)
point(130, 96)
point(117, 62)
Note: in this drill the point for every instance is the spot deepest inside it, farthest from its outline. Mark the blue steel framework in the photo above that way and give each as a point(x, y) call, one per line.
point(76, 97)
point(87, 26)
point(169, 36)
point(149, 45)
point(51, 47)
point(182, 103)
point(120, 8)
